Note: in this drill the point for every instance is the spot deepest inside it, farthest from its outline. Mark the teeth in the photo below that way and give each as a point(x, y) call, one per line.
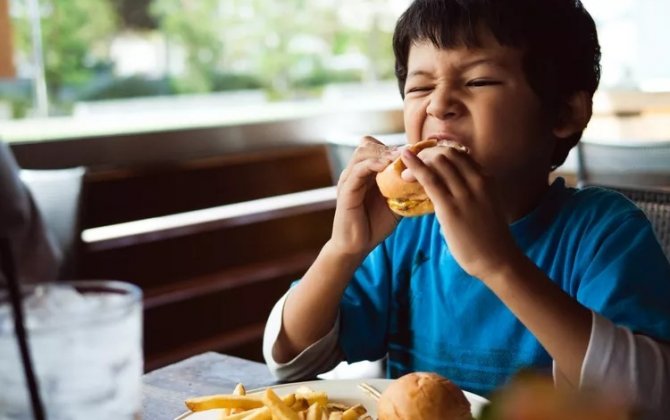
point(453, 144)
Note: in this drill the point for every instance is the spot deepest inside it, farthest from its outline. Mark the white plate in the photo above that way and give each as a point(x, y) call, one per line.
point(344, 391)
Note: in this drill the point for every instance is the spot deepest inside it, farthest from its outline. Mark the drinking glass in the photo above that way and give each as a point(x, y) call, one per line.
point(85, 340)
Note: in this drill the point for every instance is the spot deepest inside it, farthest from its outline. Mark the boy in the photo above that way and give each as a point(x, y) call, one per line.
point(509, 271)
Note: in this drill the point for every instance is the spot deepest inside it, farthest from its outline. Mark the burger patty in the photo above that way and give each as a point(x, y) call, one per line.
point(403, 204)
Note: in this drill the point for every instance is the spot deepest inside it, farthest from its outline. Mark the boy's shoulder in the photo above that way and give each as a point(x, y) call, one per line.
point(602, 198)
point(597, 203)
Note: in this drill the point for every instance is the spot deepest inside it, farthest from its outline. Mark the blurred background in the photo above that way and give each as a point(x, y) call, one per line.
point(191, 146)
point(91, 57)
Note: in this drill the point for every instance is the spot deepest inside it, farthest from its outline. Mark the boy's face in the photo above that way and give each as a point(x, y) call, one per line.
point(481, 99)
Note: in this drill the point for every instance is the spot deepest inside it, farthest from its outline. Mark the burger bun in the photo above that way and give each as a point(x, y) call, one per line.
point(423, 396)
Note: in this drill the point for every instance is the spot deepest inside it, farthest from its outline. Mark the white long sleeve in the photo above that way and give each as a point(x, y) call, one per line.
point(635, 365)
point(320, 357)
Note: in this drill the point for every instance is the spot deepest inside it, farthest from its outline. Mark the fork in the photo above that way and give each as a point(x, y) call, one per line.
point(370, 390)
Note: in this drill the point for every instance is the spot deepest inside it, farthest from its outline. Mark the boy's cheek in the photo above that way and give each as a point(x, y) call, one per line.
point(414, 121)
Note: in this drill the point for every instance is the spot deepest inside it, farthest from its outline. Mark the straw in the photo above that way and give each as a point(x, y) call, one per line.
point(9, 271)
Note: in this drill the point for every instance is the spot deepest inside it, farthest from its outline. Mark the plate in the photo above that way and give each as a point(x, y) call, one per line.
point(344, 391)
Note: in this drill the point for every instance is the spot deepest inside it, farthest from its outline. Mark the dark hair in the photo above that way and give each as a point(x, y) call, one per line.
point(558, 38)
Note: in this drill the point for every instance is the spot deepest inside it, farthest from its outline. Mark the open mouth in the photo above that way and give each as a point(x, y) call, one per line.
point(452, 144)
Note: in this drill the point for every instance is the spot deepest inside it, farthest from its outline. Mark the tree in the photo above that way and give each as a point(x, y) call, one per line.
point(194, 25)
point(76, 36)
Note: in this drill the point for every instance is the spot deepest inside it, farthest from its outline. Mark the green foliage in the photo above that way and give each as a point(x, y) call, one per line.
point(193, 25)
point(128, 87)
point(282, 46)
point(235, 81)
point(18, 95)
point(75, 36)
point(322, 77)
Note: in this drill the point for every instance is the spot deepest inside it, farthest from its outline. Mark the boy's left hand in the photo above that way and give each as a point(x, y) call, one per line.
point(466, 207)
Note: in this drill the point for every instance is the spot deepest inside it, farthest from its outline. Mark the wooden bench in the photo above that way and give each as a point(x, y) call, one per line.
point(211, 249)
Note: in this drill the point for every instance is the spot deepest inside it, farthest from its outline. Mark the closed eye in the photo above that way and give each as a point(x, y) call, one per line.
point(482, 82)
point(418, 89)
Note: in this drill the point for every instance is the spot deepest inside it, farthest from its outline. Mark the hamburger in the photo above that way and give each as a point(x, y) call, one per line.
point(423, 396)
point(404, 198)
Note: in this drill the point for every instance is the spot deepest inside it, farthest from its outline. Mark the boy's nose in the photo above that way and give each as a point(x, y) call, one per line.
point(443, 105)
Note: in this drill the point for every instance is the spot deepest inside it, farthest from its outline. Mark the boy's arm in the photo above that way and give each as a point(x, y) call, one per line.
point(560, 323)
point(311, 308)
point(362, 220)
point(473, 222)
point(628, 365)
point(322, 356)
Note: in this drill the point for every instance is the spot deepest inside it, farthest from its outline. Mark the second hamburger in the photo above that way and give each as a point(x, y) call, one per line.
point(423, 396)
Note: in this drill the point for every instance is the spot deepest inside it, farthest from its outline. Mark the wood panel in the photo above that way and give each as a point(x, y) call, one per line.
point(125, 194)
point(161, 263)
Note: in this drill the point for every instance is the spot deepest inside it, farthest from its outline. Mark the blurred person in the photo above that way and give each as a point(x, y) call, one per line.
point(35, 255)
point(511, 270)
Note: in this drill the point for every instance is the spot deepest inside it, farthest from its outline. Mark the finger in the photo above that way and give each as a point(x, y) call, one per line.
point(407, 176)
point(361, 176)
point(370, 148)
point(470, 172)
point(441, 160)
point(427, 177)
point(438, 160)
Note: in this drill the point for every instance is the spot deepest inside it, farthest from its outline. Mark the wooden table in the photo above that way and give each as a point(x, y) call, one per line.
point(165, 389)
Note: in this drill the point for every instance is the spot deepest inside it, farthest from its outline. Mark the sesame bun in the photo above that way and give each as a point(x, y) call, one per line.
point(423, 396)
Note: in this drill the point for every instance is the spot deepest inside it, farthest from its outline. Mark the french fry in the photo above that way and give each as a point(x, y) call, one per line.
point(304, 404)
point(242, 402)
point(245, 414)
point(336, 406)
point(300, 404)
point(262, 414)
point(279, 409)
point(216, 413)
point(353, 413)
point(223, 401)
point(314, 397)
point(239, 390)
point(315, 412)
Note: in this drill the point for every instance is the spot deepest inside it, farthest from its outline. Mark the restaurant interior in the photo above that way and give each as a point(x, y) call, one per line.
point(213, 203)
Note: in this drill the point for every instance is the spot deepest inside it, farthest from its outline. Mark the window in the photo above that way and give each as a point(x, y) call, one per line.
point(97, 51)
point(99, 57)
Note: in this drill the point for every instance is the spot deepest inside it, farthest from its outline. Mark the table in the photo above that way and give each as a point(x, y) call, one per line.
point(165, 389)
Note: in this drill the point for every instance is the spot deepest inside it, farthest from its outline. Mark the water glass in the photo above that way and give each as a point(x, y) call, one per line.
point(86, 345)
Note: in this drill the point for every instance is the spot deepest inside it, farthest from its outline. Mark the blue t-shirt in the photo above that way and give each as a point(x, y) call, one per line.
point(411, 300)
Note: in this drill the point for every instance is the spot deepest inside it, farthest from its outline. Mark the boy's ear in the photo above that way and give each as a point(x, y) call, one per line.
point(574, 116)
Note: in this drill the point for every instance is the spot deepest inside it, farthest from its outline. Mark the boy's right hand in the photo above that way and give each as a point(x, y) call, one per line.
point(362, 217)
